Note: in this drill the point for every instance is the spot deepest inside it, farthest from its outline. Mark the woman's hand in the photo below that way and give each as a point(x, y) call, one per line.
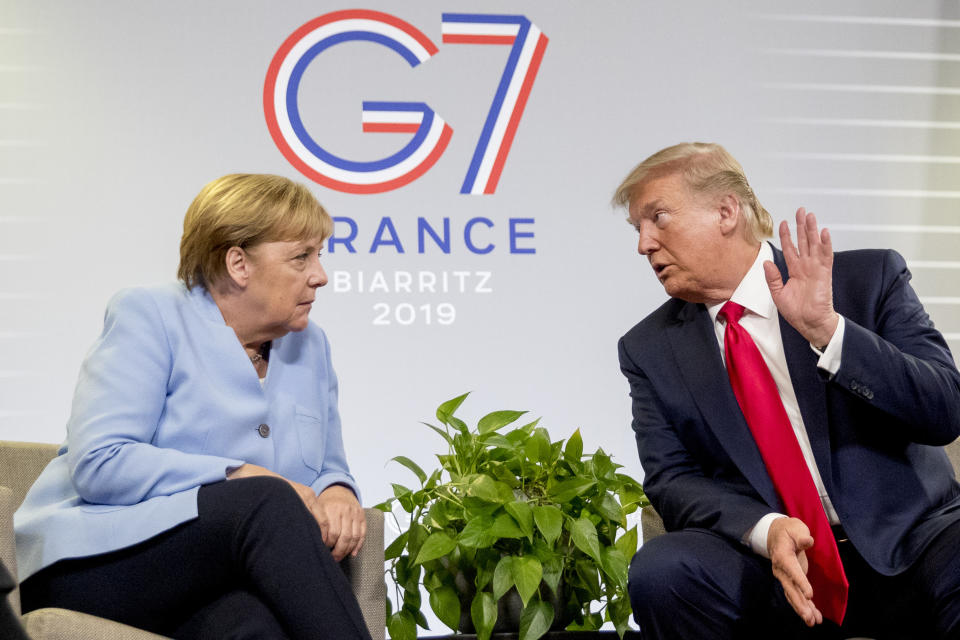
point(250, 470)
point(337, 511)
point(341, 519)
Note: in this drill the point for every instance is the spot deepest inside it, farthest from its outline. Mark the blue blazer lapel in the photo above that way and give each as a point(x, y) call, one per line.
point(697, 353)
point(808, 385)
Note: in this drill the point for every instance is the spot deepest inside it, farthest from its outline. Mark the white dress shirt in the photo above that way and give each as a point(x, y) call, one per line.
point(761, 320)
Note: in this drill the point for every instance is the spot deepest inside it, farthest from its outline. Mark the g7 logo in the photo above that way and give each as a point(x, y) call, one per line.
point(431, 133)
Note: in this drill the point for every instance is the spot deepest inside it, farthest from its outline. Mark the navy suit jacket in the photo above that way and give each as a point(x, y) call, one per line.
point(877, 428)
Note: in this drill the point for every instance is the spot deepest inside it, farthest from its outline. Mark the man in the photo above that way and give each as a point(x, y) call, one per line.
point(792, 439)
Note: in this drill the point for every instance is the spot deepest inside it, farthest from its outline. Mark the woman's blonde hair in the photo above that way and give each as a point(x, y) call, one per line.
point(243, 210)
point(708, 168)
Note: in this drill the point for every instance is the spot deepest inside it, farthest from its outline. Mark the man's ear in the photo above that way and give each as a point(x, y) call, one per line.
point(730, 212)
point(238, 266)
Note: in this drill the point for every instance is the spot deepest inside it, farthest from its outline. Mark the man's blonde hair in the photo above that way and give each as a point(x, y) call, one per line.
point(243, 210)
point(707, 168)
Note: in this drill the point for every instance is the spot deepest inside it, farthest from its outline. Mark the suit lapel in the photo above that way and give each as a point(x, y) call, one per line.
point(697, 354)
point(808, 386)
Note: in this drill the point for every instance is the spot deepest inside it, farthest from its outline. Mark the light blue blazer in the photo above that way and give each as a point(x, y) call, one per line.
point(167, 401)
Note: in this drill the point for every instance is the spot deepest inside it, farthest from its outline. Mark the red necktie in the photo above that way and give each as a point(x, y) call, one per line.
point(757, 395)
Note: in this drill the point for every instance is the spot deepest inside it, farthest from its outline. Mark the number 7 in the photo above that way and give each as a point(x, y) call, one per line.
point(528, 44)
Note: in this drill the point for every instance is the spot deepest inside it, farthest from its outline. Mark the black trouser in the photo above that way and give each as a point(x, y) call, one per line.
point(697, 584)
point(251, 565)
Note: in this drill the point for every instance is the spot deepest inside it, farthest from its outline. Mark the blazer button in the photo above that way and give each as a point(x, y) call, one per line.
point(264, 430)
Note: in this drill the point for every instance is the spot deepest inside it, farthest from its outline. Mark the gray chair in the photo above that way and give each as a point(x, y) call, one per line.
point(22, 462)
point(652, 525)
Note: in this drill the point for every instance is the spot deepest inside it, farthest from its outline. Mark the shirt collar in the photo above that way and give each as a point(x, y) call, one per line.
point(753, 293)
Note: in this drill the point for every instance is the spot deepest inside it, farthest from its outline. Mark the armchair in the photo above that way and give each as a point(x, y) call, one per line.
point(22, 462)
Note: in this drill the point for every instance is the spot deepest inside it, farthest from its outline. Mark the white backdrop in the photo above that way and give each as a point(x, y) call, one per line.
point(113, 114)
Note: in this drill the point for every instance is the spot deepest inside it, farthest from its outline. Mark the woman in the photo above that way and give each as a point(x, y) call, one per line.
point(203, 490)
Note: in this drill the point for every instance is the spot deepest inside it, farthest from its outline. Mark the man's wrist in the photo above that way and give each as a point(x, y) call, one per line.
point(822, 339)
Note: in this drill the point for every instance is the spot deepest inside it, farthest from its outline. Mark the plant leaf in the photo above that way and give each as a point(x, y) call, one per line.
point(584, 535)
point(538, 447)
point(476, 533)
point(615, 566)
point(483, 487)
point(619, 611)
point(574, 449)
point(436, 545)
point(523, 514)
point(413, 466)
point(549, 520)
point(446, 410)
point(627, 543)
point(483, 612)
point(402, 626)
point(443, 434)
point(446, 606)
point(552, 570)
point(503, 577)
point(505, 527)
point(418, 616)
point(460, 426)
point(609, 508)
point(385, 506)
point(535, 620)
point(567, 490)
point(527, 573)
point(396, 547)
point(497, 419)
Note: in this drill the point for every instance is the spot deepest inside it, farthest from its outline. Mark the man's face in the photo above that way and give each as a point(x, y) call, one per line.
point(680, 233)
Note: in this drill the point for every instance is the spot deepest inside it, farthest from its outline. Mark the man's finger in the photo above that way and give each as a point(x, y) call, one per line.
point(786, 244)
point(826, 244)
point(774, 280)
point(802, 247)
point(801, 605)
point(813, 233)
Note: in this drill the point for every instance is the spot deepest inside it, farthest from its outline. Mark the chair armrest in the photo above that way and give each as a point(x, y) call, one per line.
point(651, 523)
point(365, 573)
point(8, 554)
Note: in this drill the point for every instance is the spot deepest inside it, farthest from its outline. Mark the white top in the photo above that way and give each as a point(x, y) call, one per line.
point(761, 320)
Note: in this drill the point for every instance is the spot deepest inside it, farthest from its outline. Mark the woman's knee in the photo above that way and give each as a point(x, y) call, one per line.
point(237, 501)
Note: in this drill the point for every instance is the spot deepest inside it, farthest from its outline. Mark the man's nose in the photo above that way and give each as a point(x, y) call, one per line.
point(648, 242)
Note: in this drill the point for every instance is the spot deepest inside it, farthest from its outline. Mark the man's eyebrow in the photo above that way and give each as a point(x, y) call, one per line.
point(652, 206)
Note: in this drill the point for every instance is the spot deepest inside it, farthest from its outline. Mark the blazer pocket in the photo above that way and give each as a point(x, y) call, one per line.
point(312, 438)
point(101, 508)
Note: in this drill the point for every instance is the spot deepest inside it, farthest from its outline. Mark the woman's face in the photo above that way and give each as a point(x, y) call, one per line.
point(282, 283)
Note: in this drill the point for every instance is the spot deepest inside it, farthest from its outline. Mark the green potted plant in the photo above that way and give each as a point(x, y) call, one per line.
point(512, 528)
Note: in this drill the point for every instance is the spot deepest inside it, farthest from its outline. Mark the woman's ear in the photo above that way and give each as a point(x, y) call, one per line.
point(238, 266)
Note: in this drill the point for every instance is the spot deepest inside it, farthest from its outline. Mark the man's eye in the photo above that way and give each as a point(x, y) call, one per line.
point(660, 218)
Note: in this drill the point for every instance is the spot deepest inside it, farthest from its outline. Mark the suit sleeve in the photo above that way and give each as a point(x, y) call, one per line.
point(903, 368)
point(333, 468)
point(675, 482)
point(119, 400)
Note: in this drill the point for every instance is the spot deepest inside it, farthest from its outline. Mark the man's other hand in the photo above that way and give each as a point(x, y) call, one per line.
point(787, 541)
